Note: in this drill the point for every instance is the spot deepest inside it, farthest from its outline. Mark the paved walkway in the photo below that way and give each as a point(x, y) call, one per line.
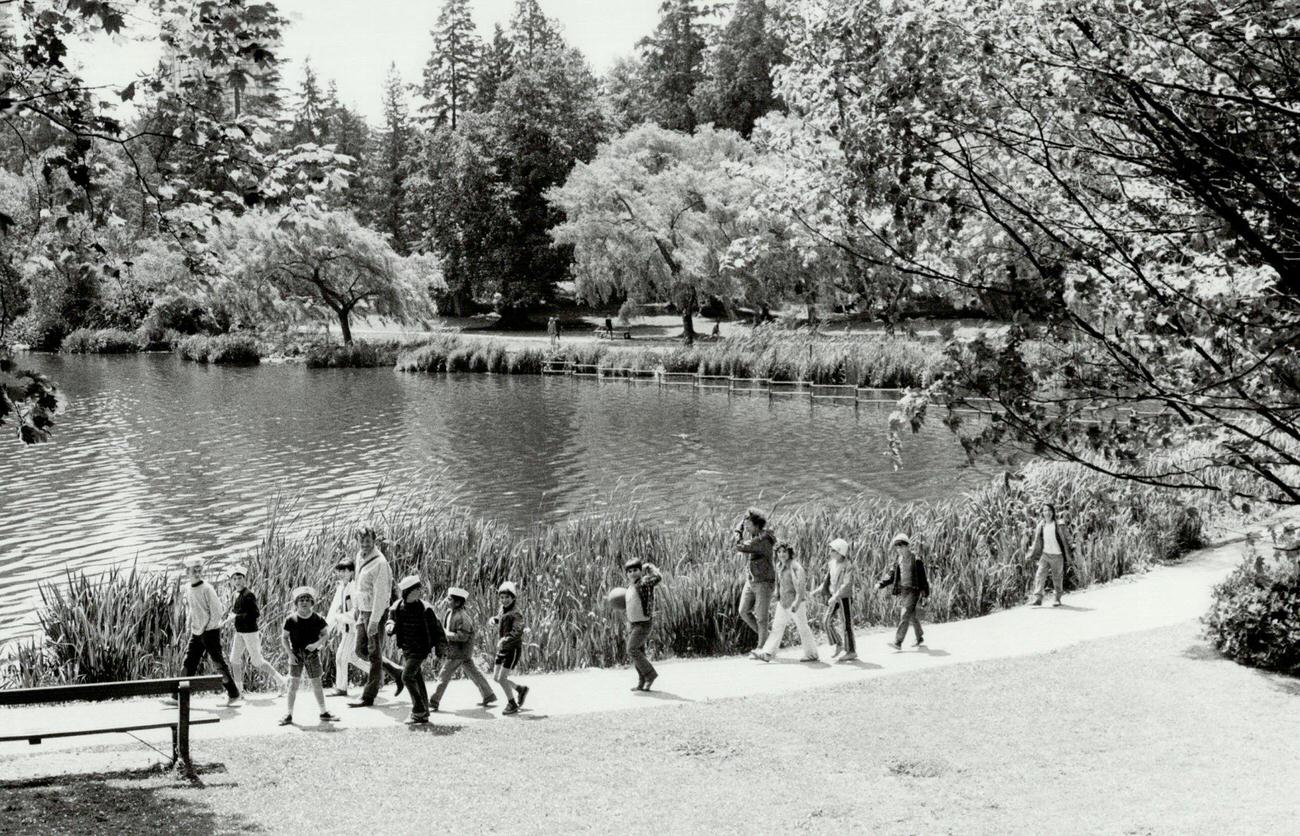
point(1164, 596)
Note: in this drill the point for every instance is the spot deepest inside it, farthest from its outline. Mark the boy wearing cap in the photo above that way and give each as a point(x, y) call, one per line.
point(907, 580)
point(204, 611)
point(342, 620)
point(419, 634)
point(838, 587)
point(642, 578)
point(459, 628)
point(510, 646)
point(248, 639)
point(302, 638)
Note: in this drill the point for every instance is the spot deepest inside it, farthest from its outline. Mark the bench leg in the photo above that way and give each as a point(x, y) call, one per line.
point(182, 757)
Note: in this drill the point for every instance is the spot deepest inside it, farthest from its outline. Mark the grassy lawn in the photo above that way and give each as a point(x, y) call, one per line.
point(1149, 733)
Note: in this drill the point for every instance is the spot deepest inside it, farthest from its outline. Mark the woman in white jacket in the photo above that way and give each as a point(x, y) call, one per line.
point(342, 620)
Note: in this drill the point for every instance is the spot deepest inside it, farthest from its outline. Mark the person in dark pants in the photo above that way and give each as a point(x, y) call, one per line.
point(908, 581)
point(838, 587)
point(374, 593)
point(205, 615)
point(642, 578)
point(755, 540)
point(510, 646)
point(419, 634)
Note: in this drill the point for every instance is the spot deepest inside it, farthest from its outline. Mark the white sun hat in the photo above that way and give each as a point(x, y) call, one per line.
point(408, 583)
point(237, 569)
point(300, 591)
point(509, 586)
point(840, 546)
point(457, 592)
point(192, 562)
point(901, 540)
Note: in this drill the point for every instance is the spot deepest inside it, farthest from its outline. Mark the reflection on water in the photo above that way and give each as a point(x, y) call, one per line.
point(156, 459)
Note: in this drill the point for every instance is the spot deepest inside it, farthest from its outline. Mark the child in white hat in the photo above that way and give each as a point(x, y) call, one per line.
point(838, 587)
point(908, 581)
point(302, 638)
point(419, 635)
point(510, 646)
point(459, 628)
point(244, 612)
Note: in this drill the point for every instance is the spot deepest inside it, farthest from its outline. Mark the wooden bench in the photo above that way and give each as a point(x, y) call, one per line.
point(182, 687)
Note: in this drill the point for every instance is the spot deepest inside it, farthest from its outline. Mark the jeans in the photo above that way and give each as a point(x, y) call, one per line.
point(784, 615)
point(209, 643)
point(844, 607)
point(909, 599)
point(1054, 564)
point(637, 635)
point(755, 604)
point(449, 668)
point(370, 646)
point(414, 680)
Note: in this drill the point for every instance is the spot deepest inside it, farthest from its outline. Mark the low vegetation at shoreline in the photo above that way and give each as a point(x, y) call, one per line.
point(223, 349)
point(127, 624)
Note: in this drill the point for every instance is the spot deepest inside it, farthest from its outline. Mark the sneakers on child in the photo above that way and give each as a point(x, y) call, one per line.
point(326, 717)
point(1037, 602)
point(416, 721)
point(338, 692)
point(640, 685)
point(919, 643)
point(286, 720)
point(849, 657)
point(896, 645)
point(512, 707)
point(649, 681)
point(813, 658)
point(521, 691)
point(1057, 603)
point(235, 701)
point(488, 701)
point(838, 650)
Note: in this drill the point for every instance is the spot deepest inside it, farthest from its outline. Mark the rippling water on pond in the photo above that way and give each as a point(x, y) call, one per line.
point(156, 459)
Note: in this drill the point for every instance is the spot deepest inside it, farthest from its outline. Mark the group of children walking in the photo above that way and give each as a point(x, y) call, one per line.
point(364, 603)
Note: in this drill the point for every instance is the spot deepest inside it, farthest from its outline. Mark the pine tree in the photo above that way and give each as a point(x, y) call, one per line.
point(674, 63)
point(350, 135)
point(738, 86)
point(452, 65)
point(494, 69)
point(532, 32)
point(386, 167)
point(310, 114)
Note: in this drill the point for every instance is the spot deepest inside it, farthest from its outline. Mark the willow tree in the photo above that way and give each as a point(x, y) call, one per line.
point(653, 216)
point(297, 265)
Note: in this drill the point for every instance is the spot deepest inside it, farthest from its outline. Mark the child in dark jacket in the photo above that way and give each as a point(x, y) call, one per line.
point(908, 581)
point(419, 634)
point(510, 646)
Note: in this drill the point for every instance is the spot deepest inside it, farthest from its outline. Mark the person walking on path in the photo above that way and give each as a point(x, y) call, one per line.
point(248, 639)
point(204, 614)
point(642, 578)
point(755, 540)
point(302, 638)
point(838, 588)
point(419, 635)
point(553, 331)
point(791, 605)
point(459, 629)
point(907, 581)
point(374, 594)
point(510, 646)
point(1051, 548)
point(342, 620)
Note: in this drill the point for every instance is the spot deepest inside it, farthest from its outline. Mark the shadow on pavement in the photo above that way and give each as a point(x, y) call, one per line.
point(130, 801)
point(434, 729)
point(663, 695)
point(930, 651)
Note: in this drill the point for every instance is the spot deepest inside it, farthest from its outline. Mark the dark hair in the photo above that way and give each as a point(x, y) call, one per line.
point(1051, 507)
point(634, 563)
point(756, 517)
point(784, 547)
point(346, 563)
point(366, 531)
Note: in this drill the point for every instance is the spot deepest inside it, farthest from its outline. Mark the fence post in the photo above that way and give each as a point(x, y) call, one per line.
point(183, 726)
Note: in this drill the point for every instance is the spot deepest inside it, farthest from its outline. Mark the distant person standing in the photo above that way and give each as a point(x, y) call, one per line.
point(553, 331)
point(838, 587)
point(341, 619)
point(1051, 548)
point(204, 615)
point(374, 594)
point(908, 582)
point(791, 605)
point(757, 542)
point(642, 578)
point(244, 612)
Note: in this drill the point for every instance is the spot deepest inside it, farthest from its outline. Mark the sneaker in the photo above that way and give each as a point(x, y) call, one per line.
point(433, 706)
point(1056, 603)
point(416, 721)
point(521, 691)
point(919, 643)
point(756, 654)
point(338, 692)
point(512, 707)
point(235, 702)
point(895, 645)
point(811, 659)
point(640, 685)
point(286, 720)
point(838, 651)
point(488, 701)
point(400, 685)
point(326, 717)
point(1037, 602)
point(849, 657)
point(649, 682)
point(361, 704)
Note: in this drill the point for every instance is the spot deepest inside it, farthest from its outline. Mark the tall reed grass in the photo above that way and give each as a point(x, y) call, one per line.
point(127, 623)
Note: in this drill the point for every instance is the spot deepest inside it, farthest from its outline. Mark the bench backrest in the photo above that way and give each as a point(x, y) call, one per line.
point(95, 691)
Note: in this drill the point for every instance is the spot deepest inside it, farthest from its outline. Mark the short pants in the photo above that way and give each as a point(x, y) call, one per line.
point(508, 659)
point(308, 660)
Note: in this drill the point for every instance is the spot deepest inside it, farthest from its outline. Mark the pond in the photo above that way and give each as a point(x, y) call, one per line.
point(156, 459)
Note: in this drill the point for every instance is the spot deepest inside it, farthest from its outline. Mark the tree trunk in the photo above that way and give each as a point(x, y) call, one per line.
point(688, 326)
point(344, 315)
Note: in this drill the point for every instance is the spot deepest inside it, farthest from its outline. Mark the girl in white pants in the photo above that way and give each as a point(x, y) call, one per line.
point(791, 605)
point(341, 620)
point(244, 612)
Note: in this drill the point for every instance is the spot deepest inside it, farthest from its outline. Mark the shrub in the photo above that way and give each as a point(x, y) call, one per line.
point(102, 341)
point(183, 314)
point(1255, 617)
point(225, 349)
point(357, 355)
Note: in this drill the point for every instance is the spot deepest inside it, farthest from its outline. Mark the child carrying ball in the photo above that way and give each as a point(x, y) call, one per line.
point(303, 637)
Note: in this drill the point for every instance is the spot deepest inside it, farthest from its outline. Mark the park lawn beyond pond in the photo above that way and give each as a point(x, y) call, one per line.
point(1141, 734)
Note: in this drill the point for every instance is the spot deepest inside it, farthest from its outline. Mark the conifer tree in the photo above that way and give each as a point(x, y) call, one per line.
point(452, 65)
point(674, 63)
